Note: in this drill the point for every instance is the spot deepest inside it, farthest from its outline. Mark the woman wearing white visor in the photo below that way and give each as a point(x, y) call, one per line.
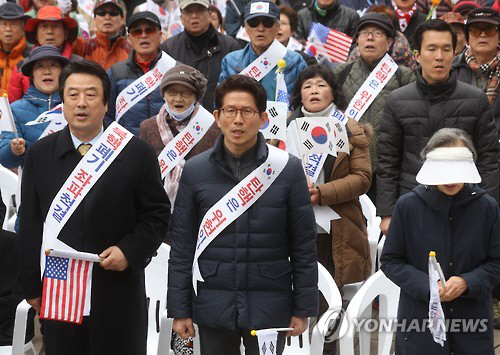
point(449, 214)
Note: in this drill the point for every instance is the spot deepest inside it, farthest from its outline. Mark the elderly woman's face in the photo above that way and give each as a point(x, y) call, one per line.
point(46, 75)
point(316, 94)
point(51, 32)
point(178, 97)
point(452, 189)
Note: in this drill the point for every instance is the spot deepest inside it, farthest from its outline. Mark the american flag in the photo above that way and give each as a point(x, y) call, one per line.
point(325, 41)
point(66, 283)
point(281, 90)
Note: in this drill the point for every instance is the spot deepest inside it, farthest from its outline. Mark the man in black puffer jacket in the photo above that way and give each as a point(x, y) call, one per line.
point(415, 112)
point(329, 13)
point(261, 270)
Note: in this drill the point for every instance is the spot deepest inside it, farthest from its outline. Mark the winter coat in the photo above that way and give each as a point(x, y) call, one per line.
point(121, 75)
point(464, 231)
point(8, 62)
point(362, 5)
point(99, 49)
point(252, 265)
point(353, 75)
point(20, 83)
point(340, 18)
point(350, 177)
point(33, 103)
point(412, 115)
point(182, 48)
point(235, 62)
point(465, 74)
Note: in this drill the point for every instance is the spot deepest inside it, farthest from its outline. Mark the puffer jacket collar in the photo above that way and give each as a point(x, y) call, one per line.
point(38, 98)
point(217, 154)
point(441, 203)
point(437, 92)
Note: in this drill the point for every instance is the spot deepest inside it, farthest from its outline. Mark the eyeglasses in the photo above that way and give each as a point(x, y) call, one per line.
point(375, 34)
point(477, 30)
point(268, 22)
point(184, 93)
point(194, 9)
point(137, 32)
point(111, 12)
point(231, 111)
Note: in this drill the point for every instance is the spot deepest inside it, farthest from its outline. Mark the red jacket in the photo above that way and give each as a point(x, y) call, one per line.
point(19, 83)
point(100, 51)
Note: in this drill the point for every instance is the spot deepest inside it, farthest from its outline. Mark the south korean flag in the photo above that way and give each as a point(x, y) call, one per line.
point(316, 135)
point(340, 133)
point(275, 125)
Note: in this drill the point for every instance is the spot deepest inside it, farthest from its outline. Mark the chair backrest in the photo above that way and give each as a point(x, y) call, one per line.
point(8, 186)
point(372, 227)
point(156, 292)
point(378, 285)
point(18, 337)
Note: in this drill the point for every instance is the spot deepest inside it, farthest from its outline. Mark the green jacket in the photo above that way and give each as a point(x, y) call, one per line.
point(353, 75)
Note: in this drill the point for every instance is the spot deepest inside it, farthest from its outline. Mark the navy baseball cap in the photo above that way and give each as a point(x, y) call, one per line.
point(258, 8)
point(145, 16)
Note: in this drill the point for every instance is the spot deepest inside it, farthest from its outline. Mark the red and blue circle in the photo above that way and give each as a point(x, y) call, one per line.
point(319, 135)
point(269, 171)
point(266, 124)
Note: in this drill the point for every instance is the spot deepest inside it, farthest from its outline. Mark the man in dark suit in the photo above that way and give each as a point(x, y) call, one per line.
point(123, 218)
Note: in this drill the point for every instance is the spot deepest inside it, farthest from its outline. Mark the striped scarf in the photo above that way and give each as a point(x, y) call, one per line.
point(404, 17)
point(490, 70)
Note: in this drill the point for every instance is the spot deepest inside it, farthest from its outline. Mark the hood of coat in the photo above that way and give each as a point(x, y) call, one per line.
point(441, 203)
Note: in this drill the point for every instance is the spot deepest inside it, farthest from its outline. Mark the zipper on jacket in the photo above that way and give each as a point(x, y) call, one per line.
point(50, 98)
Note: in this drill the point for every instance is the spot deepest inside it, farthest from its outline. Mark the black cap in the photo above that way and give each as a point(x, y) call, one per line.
point(483, 14)
point(258, 8)
point(12, 11)
point(42, 52)
point(376, 19)
point(145, 16)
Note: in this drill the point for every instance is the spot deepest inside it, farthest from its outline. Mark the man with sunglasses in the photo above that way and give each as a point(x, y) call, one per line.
point(200, 45)
point(109, 46)
point(479, 64)
point(259, 269)
point(144, 35)
point(262, 24)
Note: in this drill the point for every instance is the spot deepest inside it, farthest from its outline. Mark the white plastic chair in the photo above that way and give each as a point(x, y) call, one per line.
point(378, 285)
point(298, 345)
point(156, 292)
point(9, 187)
point(18, 346)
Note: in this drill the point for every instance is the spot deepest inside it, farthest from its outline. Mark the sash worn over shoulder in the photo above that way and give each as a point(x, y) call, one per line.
point(372, 86)
point(81, 180)
point(142, 86)
point(261, 66)
point(236, 202)
point(177, 149)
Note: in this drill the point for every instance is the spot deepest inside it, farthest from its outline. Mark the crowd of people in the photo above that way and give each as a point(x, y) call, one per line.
point(174, 124)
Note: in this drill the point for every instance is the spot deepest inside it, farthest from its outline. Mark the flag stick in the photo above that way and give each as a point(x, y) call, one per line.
point(263, 331)
point(74, 255)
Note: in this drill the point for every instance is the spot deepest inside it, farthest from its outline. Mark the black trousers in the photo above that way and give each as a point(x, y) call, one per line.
point(227, 342)
point(66, 338)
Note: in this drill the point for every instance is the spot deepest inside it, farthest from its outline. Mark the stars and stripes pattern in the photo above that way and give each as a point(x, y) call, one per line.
point(329, 43)
point(66, 283)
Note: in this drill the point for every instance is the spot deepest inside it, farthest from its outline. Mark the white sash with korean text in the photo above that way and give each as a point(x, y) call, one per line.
point(236, 202)
point(372, 86)
point(142, 86)
point(261, 66)
point(81, 180)
point(177, 149)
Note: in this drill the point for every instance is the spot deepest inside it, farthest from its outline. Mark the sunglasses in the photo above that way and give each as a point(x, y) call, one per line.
point(477, 30)
point(137, 32)
point(111, 12)
point(268, 22)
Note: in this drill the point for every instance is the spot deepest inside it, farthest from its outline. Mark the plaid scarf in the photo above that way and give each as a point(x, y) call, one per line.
point(490, 70)
point(404, 17)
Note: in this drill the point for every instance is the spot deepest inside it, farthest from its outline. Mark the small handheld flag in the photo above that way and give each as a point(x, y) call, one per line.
point(6, 118)
point(267, 339)
point(324, 41)
point(437, 325)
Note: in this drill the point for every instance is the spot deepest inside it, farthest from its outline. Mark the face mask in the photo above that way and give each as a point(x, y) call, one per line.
point(180, 116)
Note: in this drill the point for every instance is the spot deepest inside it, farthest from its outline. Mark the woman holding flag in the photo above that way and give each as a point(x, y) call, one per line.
point(43, 67)
point(450, 215)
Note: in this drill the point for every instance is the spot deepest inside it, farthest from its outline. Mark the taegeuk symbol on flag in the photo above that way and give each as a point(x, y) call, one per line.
point(316, 135)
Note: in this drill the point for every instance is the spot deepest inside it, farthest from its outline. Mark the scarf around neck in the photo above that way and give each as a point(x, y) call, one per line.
point(404, 17)
point(489, 70)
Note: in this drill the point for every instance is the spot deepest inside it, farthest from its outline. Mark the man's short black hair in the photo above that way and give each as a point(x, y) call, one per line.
point(241, 83)
point(433, 25)
point(318, 70)
point(85, 67)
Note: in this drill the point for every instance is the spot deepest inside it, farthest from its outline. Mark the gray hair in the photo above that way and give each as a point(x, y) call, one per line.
point(448, 137)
